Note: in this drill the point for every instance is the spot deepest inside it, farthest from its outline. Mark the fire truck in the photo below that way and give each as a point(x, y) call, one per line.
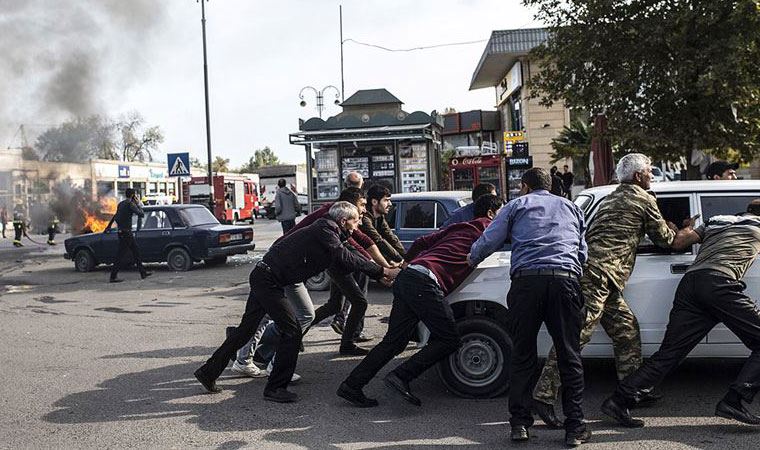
point(235, 198)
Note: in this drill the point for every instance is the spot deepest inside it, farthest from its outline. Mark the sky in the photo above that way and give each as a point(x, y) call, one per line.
point(112, 57)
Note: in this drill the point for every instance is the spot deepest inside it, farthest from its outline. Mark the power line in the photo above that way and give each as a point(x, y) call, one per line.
point(414, 48)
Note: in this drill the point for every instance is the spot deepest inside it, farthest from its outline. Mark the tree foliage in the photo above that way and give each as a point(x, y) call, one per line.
point(672, 76)
point(97, 137)
point(261, 158)
point(220, 164)
point(574, 142)
point(77, 140)
point(136, 142)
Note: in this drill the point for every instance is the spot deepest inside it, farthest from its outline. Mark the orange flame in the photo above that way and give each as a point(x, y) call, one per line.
point(94, 222)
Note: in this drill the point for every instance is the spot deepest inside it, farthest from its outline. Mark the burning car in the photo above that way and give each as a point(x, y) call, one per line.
point(177, 234)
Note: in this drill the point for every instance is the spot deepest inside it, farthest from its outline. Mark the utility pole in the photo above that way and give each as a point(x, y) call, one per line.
point(208, 117)
point(342, 83)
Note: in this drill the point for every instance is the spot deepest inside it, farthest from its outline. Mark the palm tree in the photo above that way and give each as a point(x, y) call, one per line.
point(574, 142)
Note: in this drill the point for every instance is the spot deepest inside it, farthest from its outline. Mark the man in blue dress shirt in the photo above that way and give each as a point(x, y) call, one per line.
point(548, 253)
point(467, 212)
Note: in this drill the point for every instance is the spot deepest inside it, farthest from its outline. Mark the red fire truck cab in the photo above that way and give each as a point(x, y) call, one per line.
point(235, 198)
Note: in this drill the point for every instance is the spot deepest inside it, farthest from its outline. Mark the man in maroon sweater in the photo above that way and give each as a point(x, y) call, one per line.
point(437, 264)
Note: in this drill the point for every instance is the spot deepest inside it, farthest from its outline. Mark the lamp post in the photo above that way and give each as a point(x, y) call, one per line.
point(208, 118)
point(320, 97)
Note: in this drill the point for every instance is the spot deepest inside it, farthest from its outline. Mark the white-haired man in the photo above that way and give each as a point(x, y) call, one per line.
point(293, 259)
point(623, 218)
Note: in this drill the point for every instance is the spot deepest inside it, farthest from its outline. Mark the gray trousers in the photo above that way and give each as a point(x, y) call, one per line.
point(268, 335)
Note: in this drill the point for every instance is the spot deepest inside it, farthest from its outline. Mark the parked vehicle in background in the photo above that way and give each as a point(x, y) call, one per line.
point(412, 215)
point(158, 199)
point(658, 175)
point(179, 235)
point(235, 198)
point(480, 367)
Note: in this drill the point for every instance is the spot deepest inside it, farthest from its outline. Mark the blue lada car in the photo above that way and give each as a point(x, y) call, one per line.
point(179, 235)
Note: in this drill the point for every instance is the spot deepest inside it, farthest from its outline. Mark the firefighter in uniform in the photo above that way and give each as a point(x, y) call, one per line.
point(52, 229)
point(624, 217)
point(19, 228)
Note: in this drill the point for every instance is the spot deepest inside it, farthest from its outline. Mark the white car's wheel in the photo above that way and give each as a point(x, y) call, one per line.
point(480, 367)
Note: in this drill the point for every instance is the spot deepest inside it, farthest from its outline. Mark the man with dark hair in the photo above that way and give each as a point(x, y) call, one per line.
point(127, 208)
point(352, 286)
point(376, 227)
point(558, 186)
point(292, 259)
point(548, 253)
point(437, 265)
point(721, 170)
point(286, 206)
point(466, 212)
point(710, 292)
point(268, 334)
point(567, 181)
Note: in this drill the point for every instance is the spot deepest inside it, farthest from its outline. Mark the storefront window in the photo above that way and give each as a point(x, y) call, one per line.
point(413, 167)
point(105, 189)
point(140, 188)
point(121, 189)
point(152, 187)
point(328, 180)
point(162, 188)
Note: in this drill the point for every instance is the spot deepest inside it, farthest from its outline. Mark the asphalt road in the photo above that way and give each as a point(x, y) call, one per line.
point(90, 364)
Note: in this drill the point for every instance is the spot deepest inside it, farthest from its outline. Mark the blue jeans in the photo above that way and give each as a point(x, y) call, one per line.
point(267, 336)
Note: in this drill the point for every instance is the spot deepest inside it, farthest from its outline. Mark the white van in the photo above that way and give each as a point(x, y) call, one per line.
point(479, 368)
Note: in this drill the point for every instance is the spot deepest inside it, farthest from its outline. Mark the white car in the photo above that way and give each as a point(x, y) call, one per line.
point(479, 368)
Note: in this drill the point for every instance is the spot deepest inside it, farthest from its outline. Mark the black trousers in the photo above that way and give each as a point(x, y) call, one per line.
point(557, 302)
point(416, 297)
point(703, 299)
point(354, 287)
point(266, 297)
point(287, 225)
point(126, 243)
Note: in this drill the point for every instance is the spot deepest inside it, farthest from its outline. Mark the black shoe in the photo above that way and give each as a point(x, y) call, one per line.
point(546, 412)
point(363, 338)
point(620, 413)
point(740, 413)
point(519, 433)
point(576, 438)
point(115, 280)
point(207, 382)
point(337, 327)
point(647, 398)
point(402, 387)
point(145, 275)
point(355, 396)
point(353, 350)
point(281, 395)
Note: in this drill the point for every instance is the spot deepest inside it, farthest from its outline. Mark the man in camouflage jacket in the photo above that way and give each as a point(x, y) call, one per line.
point(623, 218)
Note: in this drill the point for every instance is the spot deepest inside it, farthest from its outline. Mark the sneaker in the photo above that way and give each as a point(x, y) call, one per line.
point(337, 327)
point(248, 371)
point(294, 379)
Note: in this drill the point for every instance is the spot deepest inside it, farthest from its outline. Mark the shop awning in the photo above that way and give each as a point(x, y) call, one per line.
point(417, 131)
point(502, 51)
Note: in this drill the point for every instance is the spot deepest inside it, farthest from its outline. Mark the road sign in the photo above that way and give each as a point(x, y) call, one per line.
point(178, 164)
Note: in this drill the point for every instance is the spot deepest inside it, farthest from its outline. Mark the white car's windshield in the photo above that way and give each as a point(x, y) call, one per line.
point(197, 216)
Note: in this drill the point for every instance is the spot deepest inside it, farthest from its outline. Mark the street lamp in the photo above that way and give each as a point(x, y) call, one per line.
point(208, 118)
point(320, 97)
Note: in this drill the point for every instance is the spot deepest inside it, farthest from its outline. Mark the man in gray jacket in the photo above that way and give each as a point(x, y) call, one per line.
point(286, 206)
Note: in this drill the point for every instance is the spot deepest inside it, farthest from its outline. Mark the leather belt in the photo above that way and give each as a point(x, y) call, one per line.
point(559, 273)
point(425, 271)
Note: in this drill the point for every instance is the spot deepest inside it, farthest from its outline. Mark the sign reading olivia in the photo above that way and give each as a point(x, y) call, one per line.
point(467, 161)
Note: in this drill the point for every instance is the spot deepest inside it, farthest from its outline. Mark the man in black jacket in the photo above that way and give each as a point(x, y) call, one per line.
point(123, 218)
point(293, 259)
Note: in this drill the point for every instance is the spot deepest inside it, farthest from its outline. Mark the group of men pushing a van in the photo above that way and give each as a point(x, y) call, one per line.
point(562, 275)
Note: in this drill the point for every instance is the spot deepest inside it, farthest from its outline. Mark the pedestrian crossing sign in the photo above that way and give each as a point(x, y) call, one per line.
point(178, 164)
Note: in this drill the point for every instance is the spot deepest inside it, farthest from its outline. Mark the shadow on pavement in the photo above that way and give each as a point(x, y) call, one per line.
point(322, 420)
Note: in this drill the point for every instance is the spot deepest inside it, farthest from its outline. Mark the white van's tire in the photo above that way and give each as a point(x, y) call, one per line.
point(480, 367)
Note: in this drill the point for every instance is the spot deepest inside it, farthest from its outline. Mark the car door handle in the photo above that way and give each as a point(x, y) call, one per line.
point(165, 233)
point(679, 268)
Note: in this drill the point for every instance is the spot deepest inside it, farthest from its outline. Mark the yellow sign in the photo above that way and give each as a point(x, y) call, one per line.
point(514, 136)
